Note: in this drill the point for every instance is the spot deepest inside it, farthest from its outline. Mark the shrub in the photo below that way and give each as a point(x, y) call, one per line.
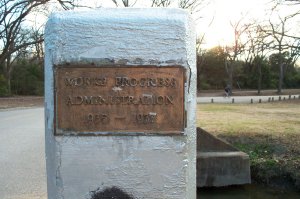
point(3, 86)
point(27, 79)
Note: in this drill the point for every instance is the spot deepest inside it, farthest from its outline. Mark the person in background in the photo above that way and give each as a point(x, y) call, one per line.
point(227, 91)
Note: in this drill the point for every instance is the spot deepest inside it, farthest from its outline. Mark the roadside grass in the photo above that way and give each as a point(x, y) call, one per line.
point(269, 133)
point(272, 118)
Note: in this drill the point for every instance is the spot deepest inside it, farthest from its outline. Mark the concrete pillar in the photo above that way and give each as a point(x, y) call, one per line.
point(139, 161)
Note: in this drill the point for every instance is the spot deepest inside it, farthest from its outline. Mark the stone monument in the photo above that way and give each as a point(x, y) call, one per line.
point(120, 104)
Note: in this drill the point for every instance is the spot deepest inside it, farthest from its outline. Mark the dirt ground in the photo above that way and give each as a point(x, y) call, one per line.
point(21, 101)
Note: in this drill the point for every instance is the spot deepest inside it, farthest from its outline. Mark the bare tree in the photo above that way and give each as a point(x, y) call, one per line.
point(282, 42)
point(14, 37)
point(161, 3)
point(193, 6)
point(124, 3)
point(287, 2)
point(234, 51)
point(256, 50)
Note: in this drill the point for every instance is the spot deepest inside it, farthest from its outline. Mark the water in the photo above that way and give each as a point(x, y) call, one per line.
point(246, 192)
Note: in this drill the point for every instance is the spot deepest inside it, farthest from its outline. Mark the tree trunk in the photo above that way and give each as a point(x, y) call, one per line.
point(229, 70)
point(280, 78)
point(259, 79)
point(8, 82)
point(230, 77)
point(7, 74)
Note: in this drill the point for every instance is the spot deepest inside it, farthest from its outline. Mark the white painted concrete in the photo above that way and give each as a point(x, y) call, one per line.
point(144, 166)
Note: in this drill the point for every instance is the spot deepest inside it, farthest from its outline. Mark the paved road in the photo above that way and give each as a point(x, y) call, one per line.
point(22, 154)
point(244, 99)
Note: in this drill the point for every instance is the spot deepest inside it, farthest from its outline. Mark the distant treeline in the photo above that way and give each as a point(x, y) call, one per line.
point(260, 73)
point(27, 78)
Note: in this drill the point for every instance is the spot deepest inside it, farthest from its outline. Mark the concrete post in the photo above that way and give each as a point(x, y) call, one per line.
point(140, 162)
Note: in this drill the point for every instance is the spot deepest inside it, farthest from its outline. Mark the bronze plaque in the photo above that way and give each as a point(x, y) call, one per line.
point(114, 100)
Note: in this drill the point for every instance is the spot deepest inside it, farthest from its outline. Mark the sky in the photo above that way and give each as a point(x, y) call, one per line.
point(224, 12)
point(218, 15)
point(214, 19)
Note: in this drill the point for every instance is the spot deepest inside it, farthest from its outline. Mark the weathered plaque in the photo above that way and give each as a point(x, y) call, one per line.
point(101, 100)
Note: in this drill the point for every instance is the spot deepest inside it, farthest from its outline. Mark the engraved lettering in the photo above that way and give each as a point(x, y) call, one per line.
point(68, 82)
point(126, 81)
point(88, 99)
point(142, 82)
point(133, 82)
point(100, 81)
point(98, 118)
point(146, 118)
point(160, 100)
point(79, 100)
point(90, 118)
point(69, 102)
point(151, 82)
point(168, 100)
point(118, 81)
point(141, 101)
point(139, 118)
point(160, 82)
point(173, 82)
point(117, 100)
point(101, 100)
point(130, 100)
point(105, 119)
point(78, 81)
point(85, 81)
